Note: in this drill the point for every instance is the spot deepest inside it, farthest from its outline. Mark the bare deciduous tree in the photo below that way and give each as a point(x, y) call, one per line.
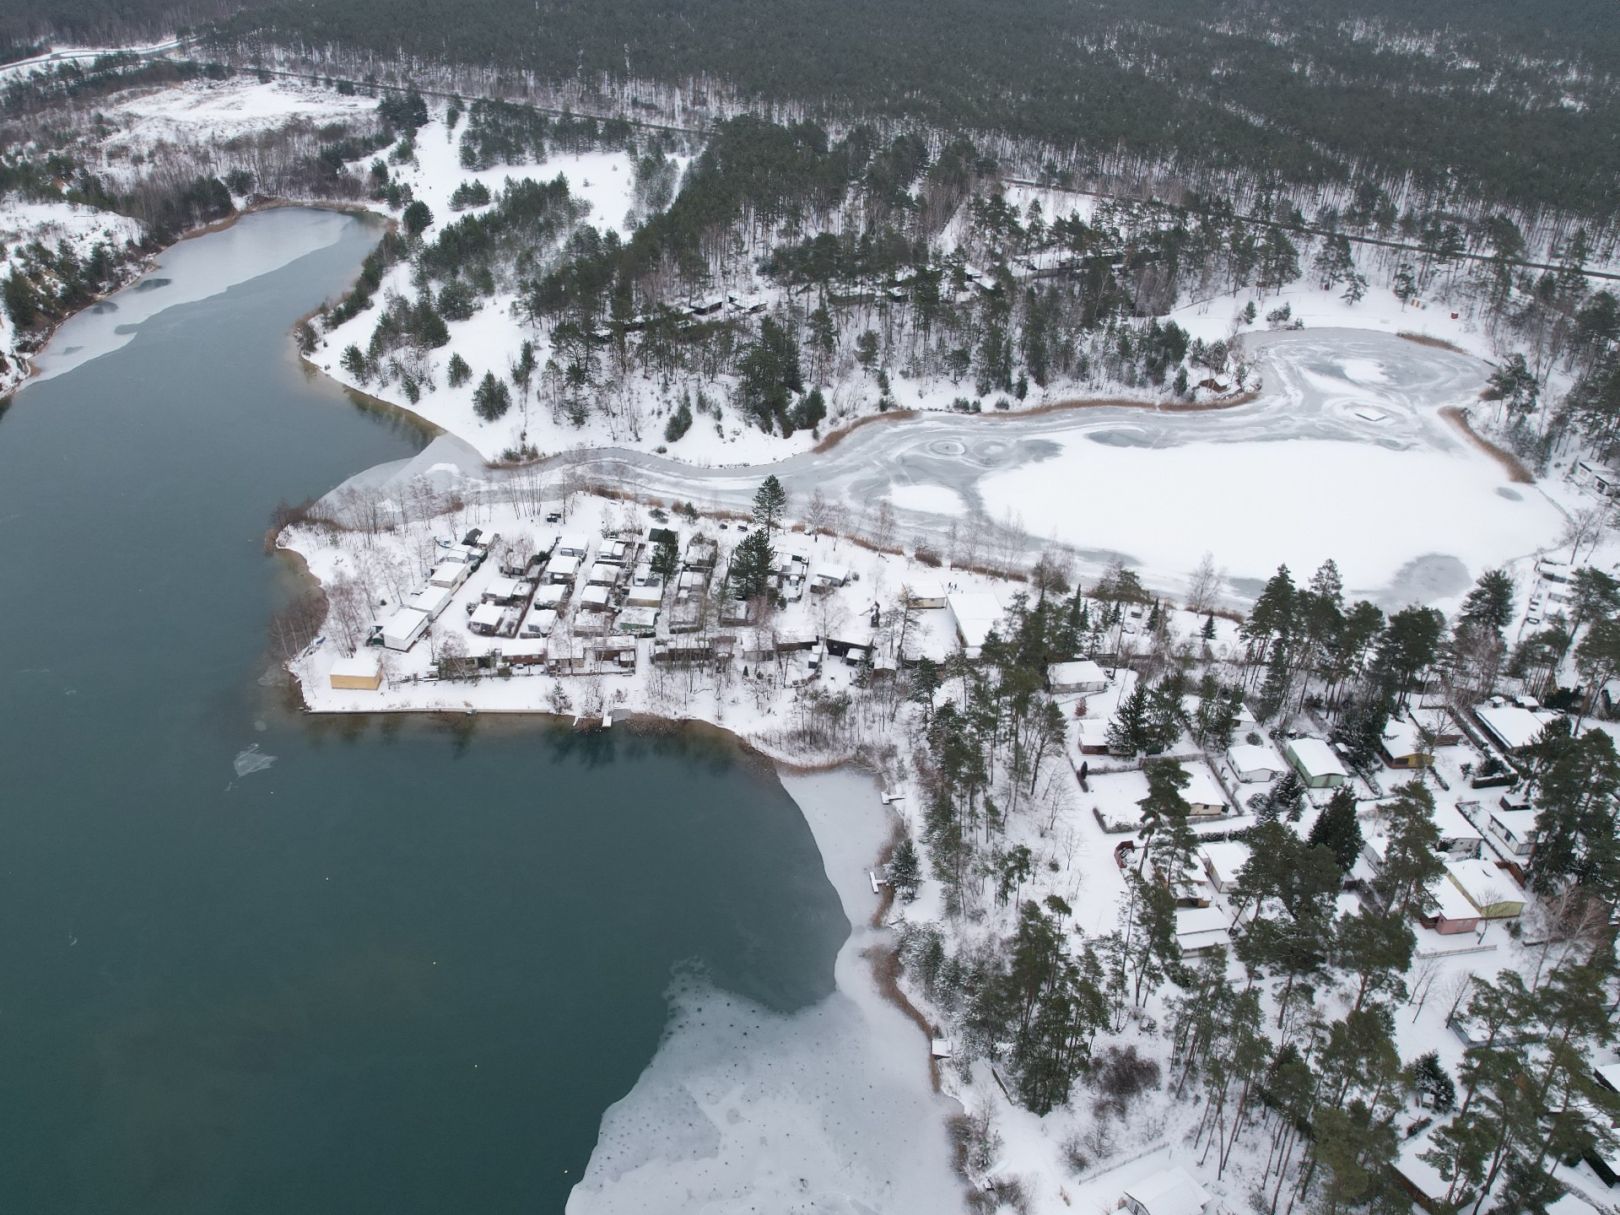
point(1204, 588)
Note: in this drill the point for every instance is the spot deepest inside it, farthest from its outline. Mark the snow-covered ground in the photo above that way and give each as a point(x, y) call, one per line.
point(604, 180)
point(214, 111)
point(1216, 318)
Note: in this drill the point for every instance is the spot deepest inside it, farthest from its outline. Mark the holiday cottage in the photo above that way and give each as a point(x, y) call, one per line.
point(361, 673)
point(1316, 762)
point(1171, 1191)
point(1082, 676)
point(1253, 764)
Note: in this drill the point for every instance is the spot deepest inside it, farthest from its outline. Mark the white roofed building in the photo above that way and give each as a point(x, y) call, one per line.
point(926, 593)
point(1317, 763)
point(645, 595)
point(1171, 1191)
point(431, 600)
point(486, 618)
point(1447, 910)
point(449, 573)
point(1223, 861)
point(540, 623)
point(1488, 888)
point(976, 614)
point(1082, 675)
point(1202, 793)
point(363, 672)
point(400, 631)
point(1512, 827)
point(1253, 764)
point(1513, 727)
point(1403, 747)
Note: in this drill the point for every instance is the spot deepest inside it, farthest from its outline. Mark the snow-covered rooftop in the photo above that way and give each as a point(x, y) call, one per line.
point(505, 588)
point(1201, 789)
point(1513, 726)
point(1483, 883)
point(1170, 1192)
point(976, 614)
point(431, 599)
point(1080, 673)
point(1224, 859)
point(1401, 739)
point(1316, 757)
point(1248, 757)
point(1453, 824)
point(1451, 902)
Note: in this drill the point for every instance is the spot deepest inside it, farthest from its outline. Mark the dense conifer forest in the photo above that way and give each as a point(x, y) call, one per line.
point(1504, 102)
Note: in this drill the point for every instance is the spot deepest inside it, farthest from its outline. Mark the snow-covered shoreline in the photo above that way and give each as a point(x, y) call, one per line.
point(830, 1109)
point(26, 366)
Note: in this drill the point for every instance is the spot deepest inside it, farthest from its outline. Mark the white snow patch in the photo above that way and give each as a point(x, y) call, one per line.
point(1256, 503)
point(250, 760)
point(1364, 371)
point(217, 110)
point(935, 499)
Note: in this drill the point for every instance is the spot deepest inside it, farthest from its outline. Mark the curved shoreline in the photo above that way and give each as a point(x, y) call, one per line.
point(880, 958)
point(146, 262)
point(1511, 464)
point(1069, 405)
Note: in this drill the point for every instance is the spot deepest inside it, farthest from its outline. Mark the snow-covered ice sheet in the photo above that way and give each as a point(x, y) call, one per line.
point(188, 272)
point(250, 760)
point(1257, 504)
point(935, 499)
point(828, 1110)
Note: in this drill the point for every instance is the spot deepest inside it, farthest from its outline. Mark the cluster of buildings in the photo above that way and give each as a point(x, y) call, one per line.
point(1486, 826)
point(590, 602)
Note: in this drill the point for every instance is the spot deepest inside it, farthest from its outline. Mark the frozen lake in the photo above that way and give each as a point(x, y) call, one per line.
point(1343, 455)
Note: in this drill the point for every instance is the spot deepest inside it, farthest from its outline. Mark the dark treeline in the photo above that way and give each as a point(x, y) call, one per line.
point(1510, 102)
point(27, 28)
point(1488, 98)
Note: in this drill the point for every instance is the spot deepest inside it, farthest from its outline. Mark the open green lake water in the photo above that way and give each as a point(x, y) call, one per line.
point(407, 966)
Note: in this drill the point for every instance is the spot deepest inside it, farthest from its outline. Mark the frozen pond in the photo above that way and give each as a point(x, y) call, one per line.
point(1344, 454)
